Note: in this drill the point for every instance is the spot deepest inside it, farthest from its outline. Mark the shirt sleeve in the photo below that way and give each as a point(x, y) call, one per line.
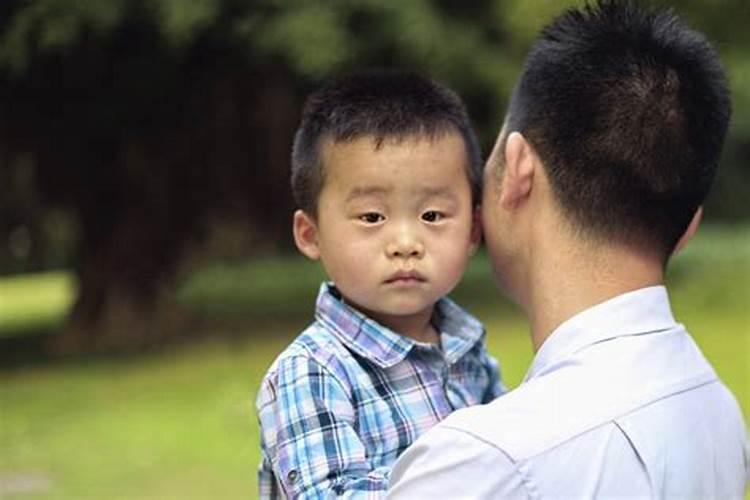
point(308, 434)
point(449, 463)
point(268, 488)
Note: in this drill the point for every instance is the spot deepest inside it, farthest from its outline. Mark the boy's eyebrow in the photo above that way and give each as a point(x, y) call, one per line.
point(366, 191)
point(426, 192)
point(438, 191)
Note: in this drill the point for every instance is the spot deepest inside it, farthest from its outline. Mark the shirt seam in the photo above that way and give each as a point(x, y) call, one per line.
point(613, 419)
point(637, 453)
point(324, 368)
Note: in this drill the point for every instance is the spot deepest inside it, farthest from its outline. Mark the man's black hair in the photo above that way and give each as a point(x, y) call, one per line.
point(628, 109)
point(381, 104)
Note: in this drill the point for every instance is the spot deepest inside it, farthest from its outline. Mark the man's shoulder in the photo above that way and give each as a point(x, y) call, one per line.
point(570, 402)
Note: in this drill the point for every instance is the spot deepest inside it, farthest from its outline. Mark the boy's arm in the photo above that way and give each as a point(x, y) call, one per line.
point(308, 432)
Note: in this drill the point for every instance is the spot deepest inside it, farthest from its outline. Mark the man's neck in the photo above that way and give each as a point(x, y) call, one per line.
point(567, 278)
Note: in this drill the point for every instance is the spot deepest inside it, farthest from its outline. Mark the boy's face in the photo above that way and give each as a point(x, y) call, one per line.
point(395, 225)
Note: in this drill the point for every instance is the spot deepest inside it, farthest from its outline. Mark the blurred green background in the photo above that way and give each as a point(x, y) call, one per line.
point(147, 277)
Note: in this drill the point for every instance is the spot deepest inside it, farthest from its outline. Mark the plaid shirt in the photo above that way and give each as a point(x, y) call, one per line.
point(342, 402)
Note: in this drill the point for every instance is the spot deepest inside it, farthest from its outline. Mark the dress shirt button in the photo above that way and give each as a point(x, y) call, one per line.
point(292, 476)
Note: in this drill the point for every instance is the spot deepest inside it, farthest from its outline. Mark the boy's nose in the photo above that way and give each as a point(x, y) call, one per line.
point(405, 246)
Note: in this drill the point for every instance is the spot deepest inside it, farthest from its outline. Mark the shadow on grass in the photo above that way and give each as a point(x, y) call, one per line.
point(25, 347)
point(31, 349)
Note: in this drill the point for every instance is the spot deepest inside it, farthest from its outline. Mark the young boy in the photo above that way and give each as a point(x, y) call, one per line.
point(386, 173)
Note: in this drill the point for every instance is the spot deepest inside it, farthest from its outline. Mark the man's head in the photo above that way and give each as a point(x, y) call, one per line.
point(627, 110)
point(383, 105)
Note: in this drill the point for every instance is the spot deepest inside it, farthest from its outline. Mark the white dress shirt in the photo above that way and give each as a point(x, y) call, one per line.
point(618, 402)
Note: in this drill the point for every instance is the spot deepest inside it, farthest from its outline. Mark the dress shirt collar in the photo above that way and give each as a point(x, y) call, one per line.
point(459, 331)
point(641, 311)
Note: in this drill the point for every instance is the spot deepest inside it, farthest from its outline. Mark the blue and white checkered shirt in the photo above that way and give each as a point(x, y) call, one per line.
point(342, 402)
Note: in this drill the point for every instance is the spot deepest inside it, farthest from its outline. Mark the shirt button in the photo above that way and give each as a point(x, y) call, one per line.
point(292, 476)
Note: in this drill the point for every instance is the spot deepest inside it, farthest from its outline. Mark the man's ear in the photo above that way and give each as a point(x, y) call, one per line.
point(518, 174)
point(306, 235)
point(690, 231)
point(476, 230)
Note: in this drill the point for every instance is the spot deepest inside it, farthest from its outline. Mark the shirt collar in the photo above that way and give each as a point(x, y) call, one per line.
point(459, 331)
point(641, 311)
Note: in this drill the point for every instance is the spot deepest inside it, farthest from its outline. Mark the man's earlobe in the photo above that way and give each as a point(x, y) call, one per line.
point(306, 235)
point(690, 231)
point(518, 176)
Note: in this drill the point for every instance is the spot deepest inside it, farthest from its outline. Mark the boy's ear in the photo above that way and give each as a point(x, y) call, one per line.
point(476, 230)
point(518, 174)
point(306, 235)
point(690, 231)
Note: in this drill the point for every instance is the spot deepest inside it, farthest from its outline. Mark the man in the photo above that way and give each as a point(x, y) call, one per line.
point(607, 153)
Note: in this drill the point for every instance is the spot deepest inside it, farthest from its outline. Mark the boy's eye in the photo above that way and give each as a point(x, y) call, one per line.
point(432, 216)
point(371, 217)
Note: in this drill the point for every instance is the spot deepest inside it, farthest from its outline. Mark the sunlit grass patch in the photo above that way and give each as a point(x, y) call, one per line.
point(35, 302)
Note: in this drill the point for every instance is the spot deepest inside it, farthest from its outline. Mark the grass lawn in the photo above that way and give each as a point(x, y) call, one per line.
point(179, 423)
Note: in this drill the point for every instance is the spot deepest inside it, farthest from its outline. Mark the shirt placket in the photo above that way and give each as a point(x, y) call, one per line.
point(439, 368)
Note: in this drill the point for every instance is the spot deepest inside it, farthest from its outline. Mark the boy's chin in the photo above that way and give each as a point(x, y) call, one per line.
point(401, 313)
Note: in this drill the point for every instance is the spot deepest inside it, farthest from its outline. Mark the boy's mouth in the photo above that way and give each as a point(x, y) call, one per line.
point(405, 277)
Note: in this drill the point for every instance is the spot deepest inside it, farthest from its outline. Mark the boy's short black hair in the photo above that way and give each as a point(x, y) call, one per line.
point(383, 105)
point(628, 109)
